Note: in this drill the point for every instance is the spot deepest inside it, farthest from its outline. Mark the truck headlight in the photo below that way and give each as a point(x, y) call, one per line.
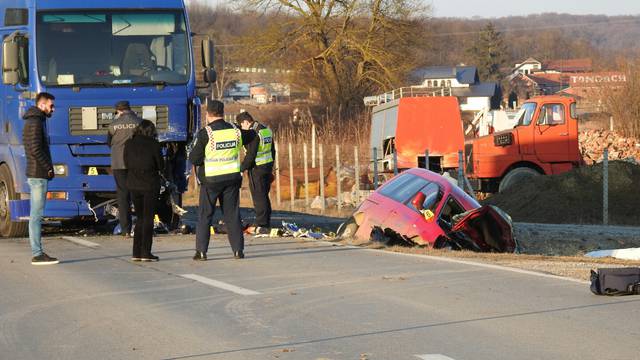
point(60, 170)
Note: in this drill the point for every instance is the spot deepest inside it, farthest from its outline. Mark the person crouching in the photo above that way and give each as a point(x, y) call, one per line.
point(143, 159)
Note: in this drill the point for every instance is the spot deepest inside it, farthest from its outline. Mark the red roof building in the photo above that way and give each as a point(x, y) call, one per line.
point(568, 65)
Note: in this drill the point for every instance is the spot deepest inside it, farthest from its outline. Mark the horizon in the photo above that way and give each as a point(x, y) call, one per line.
point(495, 9)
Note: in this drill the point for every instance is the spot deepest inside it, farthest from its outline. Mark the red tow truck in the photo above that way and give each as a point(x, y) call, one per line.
point(544, 142)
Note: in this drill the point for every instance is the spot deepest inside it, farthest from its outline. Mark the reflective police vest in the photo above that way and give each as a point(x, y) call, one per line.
point(264, 155)
point(222, 153)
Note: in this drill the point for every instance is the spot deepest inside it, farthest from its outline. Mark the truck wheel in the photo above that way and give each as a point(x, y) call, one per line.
point(516, 175)
point(9, 228)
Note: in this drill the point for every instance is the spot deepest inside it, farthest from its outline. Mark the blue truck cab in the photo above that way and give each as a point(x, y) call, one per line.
point(90, 55)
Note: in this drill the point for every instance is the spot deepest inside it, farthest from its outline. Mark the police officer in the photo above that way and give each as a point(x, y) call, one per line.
point(216, 154)
point(121, 130)
point(261, 171)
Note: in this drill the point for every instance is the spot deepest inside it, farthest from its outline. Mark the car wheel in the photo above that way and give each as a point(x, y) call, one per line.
point(9, 228)
point(516, 175)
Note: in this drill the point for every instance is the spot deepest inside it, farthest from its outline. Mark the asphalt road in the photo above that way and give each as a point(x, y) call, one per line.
point(292, 299)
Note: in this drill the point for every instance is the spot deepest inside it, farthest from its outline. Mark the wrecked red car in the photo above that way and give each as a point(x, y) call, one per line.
point(424, 208)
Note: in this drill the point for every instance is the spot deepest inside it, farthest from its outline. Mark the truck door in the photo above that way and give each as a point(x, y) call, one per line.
point(551, 134)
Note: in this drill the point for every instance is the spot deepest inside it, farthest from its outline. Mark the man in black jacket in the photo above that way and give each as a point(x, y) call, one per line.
point(121, 130)
point(216, 154)
point(39, 171)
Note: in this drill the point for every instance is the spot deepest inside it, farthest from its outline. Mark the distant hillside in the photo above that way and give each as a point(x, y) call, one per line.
point(545, 36)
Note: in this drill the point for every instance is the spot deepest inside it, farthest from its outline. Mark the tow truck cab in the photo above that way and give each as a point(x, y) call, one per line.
point(544, 142)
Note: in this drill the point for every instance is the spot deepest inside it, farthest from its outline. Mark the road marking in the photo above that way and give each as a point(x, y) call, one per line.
point(220, 284)
point(82, 242)
point(467, 262)
point(433, 357)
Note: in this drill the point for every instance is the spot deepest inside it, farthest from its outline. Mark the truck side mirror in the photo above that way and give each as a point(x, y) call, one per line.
point(210, 76)
point(207, 54)
point(418, 200)
point(10, 61)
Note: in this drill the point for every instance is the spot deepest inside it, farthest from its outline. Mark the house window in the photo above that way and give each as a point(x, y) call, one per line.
point(429, 83)
point(448, 83)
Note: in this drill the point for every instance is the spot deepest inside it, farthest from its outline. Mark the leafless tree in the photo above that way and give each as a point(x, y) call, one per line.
point(344, 49)
point(623, 101)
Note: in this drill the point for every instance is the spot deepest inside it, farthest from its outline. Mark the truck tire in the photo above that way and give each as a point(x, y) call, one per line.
point(516, 175)
point(9, 228)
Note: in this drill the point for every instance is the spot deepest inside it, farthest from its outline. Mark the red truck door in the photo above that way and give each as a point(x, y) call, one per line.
point(551, 133)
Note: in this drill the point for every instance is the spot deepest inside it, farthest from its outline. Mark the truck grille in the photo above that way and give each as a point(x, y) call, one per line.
point(106, 114)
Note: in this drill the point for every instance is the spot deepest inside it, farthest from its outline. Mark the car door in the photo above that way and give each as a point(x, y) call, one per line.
point(552, 134)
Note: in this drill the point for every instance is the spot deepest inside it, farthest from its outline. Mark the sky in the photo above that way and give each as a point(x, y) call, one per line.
point(499, 8)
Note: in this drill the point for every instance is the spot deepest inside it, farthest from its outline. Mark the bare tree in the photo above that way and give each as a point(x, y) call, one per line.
point(344, 49)
point(623, 101)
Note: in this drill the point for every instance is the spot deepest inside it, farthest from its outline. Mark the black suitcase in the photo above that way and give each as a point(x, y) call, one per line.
point(616, 281)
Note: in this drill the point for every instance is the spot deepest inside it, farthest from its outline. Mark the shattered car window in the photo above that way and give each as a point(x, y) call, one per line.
point(449, 210)
point(407, 193)
point(403, 188)
point(432, 196)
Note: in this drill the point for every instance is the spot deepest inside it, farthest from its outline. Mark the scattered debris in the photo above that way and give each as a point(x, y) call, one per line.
point(394, 278)
point(289, 230)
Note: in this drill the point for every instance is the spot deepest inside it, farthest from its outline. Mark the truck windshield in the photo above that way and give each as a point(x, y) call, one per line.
point(525, 114)
point(110, 48)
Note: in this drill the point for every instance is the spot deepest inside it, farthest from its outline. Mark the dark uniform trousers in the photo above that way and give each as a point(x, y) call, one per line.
point(229, 194)
point(260, 185)
point(144, 203)
point(124, 200)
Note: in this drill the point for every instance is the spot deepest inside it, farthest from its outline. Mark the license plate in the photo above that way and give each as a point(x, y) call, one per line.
point(93, 171)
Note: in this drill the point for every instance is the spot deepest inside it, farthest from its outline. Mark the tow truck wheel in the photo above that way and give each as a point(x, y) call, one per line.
point(516, 175)
point(9, 228)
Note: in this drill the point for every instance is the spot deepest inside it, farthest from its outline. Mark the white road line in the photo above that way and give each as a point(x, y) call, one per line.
point(433, 357)
point(220, 284)
point(467, 262)
point(82, 242)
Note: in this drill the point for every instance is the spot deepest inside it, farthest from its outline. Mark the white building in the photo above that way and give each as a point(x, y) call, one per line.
point(527, 67)
point(464, 83)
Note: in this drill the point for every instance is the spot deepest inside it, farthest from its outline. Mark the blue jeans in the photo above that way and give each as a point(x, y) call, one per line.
point(37, 199)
